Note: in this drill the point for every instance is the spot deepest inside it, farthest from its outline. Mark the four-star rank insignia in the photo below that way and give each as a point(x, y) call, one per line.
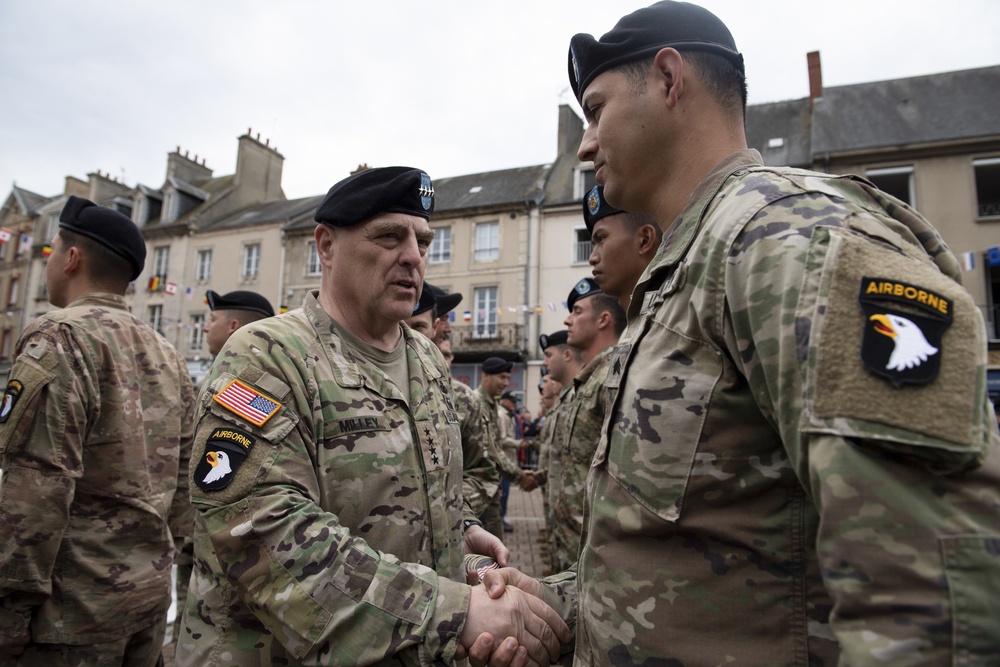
point(903, 328)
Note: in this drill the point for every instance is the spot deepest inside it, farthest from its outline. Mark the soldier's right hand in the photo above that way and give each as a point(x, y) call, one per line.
point(515, 613)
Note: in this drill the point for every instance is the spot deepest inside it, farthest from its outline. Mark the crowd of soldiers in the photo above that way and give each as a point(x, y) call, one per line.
point(767, 435)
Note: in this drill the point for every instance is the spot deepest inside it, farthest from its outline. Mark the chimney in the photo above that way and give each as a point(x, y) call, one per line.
point(815, 77)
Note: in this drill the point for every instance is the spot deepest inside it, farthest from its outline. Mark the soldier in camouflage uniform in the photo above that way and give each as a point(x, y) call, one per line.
point(96, 428)
point(496, 377)
point(800, 464)
point(481, 480)
point(594, 323)
point(563, 363)
point(328, 474)
point(623, 245)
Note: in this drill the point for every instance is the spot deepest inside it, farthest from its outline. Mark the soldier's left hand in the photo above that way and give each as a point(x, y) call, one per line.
point(480, 541)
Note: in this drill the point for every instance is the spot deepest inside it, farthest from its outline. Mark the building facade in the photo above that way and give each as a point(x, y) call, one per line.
point(513, 241)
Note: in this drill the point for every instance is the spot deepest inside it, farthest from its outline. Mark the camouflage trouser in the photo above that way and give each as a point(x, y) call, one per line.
point(139, 650)
point(492, 521)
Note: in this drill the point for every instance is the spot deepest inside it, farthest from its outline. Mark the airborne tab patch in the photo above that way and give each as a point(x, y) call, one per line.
point(902, 344)
point(247, 402)
point(225, 451)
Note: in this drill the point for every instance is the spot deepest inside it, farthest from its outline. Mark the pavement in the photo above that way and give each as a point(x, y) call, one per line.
point(526, 513)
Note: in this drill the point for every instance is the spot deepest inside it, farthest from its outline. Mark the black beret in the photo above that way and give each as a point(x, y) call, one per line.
point(111, 229)
point(645, 31)
point(595, 207)
point(383, 190)
point(426, 301)
point(496, 365)
point(508, 395)
point(239, 300)
point(445, 302)
point(560, 337)
point(586, 287)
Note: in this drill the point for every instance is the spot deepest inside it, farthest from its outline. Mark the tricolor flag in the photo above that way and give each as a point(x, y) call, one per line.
point(968, 261)
point(467, 316)
point(552, 306)
point(171, 288)
point(282, 309)
point(538, 310)
point(154, 283)
point(5, 234)
point(25, 244)
point(46, 250)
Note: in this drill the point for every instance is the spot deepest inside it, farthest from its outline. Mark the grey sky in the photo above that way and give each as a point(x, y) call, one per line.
point(453, 87)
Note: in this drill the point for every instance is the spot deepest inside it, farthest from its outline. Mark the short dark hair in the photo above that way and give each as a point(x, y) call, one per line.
point(723, 80)
point(609, 304)
point(105, 267)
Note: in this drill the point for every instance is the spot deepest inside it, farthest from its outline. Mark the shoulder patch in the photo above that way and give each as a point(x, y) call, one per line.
point(903, 328)
point(246, 402)
point(10, 396)
point(225, 451)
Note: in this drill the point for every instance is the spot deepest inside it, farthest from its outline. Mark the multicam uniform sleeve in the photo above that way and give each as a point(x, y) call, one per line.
point(903, 474)
point(181, 519)
point(317, 587)
point(43, 423)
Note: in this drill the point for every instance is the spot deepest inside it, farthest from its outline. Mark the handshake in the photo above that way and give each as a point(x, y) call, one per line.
point(509, 606)
point(527, 481)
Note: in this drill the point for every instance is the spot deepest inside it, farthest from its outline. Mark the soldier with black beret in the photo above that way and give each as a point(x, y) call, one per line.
point(96, 426)
point(495, 380)
point(623, 244)
point(800, 463)
point(231, 311)
point(314, 422)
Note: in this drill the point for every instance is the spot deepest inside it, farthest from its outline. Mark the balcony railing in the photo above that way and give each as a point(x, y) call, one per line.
point(494, 338)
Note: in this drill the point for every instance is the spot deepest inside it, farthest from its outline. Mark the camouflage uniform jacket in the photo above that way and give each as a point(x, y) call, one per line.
point(337, 535)
point(95, 434)
point(505, 464)
point(583, 417)
point(545, 460)
point(481, 482)
point(760, 497)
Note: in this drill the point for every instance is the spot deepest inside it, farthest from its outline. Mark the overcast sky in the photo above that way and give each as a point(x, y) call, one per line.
point(453, 87)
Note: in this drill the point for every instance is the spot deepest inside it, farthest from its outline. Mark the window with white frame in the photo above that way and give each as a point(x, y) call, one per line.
point(52, 227)
point(440, 251)
point(582, 246)
point(313, 267)
point(161, 259)
point(251, 261)
point(487, 241)
point(585, 180)
point(987, 186)
point(196, 331)
point(203, 269)
point(896, 181)
point(14, 293)
point(484, 317)
point(155, 317)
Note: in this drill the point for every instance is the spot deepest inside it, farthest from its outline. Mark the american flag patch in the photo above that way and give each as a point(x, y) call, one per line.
point(248, 403)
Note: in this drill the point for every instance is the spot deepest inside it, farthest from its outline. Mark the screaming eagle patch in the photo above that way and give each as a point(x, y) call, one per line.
point(14, 389)
point(225, 451)
point(903, 328)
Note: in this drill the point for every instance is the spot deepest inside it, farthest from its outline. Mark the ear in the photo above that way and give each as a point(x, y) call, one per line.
point(604, 320)
point(647, 239)
point(234, 324)
point(668, 65)
point(324, 243)
point(73, 260)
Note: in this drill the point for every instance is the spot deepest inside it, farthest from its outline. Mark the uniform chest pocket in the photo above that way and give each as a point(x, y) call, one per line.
point(659, 418)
